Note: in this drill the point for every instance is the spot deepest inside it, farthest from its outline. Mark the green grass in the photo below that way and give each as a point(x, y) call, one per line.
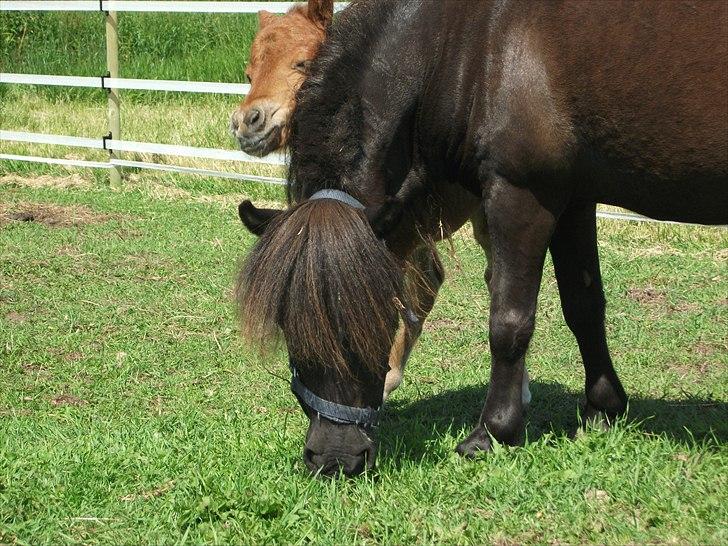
point(130, 412)
point(176, 46)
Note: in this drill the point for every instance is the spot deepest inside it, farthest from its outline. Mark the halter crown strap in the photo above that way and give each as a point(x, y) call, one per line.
point(338, 413)
point(338, 195)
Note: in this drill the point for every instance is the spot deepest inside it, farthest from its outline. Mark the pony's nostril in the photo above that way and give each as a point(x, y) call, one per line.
point(254, 119)
point(308, 455)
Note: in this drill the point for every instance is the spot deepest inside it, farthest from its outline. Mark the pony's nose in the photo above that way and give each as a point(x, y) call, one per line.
point(327, 465)
point(254, 119)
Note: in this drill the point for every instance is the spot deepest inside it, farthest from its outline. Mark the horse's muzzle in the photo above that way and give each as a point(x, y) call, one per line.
point(256, 131)
point(333, 448)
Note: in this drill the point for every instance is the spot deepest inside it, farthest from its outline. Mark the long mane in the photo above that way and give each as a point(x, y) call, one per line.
point(326, 127)
point(319, 274)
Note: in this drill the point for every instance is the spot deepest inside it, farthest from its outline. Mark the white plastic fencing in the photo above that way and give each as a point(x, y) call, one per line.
point(109, 83)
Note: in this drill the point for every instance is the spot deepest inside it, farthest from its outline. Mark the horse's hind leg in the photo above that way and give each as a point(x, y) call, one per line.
point(576, 262)
point(424, 279)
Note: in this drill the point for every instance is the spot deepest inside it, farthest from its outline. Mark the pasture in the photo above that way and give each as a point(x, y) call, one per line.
point(130, 412)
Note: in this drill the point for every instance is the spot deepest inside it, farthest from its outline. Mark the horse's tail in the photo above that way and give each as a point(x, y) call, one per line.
point(321, 277)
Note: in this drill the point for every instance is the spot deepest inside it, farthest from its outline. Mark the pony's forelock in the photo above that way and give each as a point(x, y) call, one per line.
point(319, 276)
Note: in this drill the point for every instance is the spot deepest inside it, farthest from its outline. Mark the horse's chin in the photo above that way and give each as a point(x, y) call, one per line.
point(263, 145)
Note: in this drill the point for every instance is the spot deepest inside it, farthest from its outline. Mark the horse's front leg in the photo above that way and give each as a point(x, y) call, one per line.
point(480, 231)
point(424, 278)
point(519, 229)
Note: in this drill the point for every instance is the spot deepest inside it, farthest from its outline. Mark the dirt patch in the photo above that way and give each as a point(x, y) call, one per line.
point(156, 492)
point(685, 307)
point(51, 215)
point(697, 370)
point(73, 357)
point(597, 496)
point(15, 317)
point(67, 400)
point(441, 324)
point(36, 370)
point(703, 362)
point(647, 296)
point(704, 349)
point(225, 201)
point(46, 181)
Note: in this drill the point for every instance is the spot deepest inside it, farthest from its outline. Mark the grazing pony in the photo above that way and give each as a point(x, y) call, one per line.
point(418, 115)
point(280, 55)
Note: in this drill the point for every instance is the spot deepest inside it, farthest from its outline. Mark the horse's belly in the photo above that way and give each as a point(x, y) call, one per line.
point(685, 186)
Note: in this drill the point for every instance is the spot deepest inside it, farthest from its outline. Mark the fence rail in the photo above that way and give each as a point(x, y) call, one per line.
point(166, 6)
point(105, 143)
point(107, 83)
point(113, 84)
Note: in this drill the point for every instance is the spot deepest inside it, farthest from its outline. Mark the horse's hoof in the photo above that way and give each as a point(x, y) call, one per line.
point(593, 418)
point(477, 442)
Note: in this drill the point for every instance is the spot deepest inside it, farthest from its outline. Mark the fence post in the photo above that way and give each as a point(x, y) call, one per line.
point(112, 65)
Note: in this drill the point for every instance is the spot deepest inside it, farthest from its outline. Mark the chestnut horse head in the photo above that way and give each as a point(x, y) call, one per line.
point(279, 58)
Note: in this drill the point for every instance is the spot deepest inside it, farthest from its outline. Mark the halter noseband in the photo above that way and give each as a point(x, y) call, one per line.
point(338, 413)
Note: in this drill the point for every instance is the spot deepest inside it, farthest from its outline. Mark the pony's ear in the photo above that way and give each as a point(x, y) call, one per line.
point(321, 12)
point(386, 217)
point(256, 220)
point(264, 18)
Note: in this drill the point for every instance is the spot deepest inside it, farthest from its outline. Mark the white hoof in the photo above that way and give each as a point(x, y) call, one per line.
point(391, 382)
point(525, 391)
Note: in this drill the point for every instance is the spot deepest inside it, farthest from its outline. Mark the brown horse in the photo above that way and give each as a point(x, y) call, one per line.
point(280, 55)
point(418, 115)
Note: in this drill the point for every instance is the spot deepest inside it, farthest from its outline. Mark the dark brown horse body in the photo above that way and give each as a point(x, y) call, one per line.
point(524, 113)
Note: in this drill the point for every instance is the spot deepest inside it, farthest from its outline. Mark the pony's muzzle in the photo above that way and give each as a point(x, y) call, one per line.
point(255, 129)
point(332, 449)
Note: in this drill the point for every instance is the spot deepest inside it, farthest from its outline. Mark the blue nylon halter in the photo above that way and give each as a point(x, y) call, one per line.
point(338, 413)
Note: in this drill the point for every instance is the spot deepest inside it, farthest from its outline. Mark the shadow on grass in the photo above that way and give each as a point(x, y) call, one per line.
point(410, 428)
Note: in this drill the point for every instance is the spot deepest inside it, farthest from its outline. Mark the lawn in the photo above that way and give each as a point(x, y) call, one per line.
point(131, 412)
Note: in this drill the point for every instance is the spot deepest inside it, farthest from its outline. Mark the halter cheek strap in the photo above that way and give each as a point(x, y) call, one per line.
point(338, 413)
point(338, 195)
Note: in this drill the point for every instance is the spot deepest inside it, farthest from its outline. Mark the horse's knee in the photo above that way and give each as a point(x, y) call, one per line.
point(510, 333)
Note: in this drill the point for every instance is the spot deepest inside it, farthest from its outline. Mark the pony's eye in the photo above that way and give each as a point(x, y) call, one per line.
point(302, 66)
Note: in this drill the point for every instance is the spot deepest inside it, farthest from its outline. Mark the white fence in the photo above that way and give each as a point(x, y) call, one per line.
point(113, 83)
